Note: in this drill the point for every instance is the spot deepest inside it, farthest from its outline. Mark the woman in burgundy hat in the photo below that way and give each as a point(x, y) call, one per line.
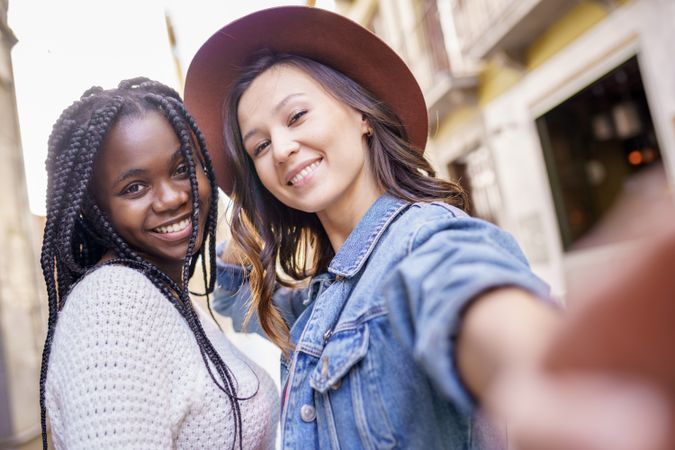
point(395, 311)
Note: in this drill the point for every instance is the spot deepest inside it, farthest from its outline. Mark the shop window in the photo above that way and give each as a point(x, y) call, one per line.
point(603, 160)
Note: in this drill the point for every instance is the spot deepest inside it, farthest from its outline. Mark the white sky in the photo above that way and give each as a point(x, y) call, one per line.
point(65, 47)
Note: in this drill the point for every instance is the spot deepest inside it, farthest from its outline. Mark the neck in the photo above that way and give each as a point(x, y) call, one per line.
point(342, 217)
point(175, 275)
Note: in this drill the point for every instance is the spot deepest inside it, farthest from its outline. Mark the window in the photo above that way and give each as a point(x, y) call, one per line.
point(603, 160)
point(475, 172)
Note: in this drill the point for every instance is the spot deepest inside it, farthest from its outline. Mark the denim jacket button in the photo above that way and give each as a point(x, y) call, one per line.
point(336, 385)
point(307, 413)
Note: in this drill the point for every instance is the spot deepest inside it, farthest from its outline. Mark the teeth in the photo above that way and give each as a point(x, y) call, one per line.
point(174, 227)
point(304, 172)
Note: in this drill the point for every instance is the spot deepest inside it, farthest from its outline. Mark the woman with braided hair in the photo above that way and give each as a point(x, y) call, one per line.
point(128, 360)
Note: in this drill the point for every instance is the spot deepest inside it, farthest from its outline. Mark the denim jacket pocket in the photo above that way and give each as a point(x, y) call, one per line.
point(341, 353)
point(347, 374)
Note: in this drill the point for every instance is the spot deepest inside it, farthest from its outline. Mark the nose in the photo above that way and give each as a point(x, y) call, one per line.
point(170, 196)
point(283, 146)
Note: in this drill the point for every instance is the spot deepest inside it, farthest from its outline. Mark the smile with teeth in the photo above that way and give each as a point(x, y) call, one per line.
point(303, 173)
point(174, 227)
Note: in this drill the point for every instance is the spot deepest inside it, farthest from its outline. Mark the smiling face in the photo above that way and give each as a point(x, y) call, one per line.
point(141, 182)
point(309, 149)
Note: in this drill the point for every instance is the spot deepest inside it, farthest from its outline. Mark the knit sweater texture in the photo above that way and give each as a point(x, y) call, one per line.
point(125, 372)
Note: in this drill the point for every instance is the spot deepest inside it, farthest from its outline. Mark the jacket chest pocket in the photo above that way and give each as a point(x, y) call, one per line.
point(347, 384)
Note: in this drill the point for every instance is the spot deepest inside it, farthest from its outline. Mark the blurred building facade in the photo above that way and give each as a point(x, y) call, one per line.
point(558, 116)
point(20, 282)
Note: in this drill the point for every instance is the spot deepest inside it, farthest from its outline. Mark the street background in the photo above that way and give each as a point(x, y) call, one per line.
point(558, 116)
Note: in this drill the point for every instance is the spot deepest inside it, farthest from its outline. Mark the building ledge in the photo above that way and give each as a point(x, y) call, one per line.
point(515, 26)
point(448, 93)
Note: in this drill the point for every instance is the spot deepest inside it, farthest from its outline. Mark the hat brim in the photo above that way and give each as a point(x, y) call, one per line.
point(314, 33)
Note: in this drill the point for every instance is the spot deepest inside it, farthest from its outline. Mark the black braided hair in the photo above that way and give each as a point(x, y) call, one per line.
point(77, 232)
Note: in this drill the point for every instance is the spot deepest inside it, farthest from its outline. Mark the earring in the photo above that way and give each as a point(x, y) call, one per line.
point(369, 132)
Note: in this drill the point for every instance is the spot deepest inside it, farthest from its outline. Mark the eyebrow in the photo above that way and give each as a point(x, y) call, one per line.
point(276, 109)
point(136, 172)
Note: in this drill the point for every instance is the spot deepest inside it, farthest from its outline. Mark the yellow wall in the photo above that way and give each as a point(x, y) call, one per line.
point(454, 121)
point(572, 25)
point(497, 77)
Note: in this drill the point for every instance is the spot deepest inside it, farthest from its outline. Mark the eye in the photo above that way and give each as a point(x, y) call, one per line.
point(258, 149)
point(182, 169)
point(296, 116)
point(131, 189)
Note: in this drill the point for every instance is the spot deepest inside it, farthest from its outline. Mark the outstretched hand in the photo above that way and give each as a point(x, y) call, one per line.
point(607, 381)
point(580, 412)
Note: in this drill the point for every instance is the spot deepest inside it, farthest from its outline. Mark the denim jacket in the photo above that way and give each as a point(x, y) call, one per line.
point(374, 337)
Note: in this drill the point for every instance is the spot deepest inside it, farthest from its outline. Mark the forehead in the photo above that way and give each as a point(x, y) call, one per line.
point(130, 131)
point(135, 140)
point(273, 85)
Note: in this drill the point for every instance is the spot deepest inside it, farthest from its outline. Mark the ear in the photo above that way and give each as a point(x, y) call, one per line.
point(365, 126)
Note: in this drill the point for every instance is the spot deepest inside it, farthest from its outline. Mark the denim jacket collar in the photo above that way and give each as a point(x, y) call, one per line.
point(364, 237)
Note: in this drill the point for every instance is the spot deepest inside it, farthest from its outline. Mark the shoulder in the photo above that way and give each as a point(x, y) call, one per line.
point(438, 211)
point(111, 287)
point(115, 300)
point(422, 214)
point(422, 221)
point(122, 279)
point(115, 316)
point(122, 358)
point(113, 308)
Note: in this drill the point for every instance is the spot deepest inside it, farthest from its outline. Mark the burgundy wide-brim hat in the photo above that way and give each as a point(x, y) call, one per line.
point(314, 33)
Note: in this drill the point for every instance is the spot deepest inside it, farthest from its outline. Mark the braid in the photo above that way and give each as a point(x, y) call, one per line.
point(77, 232)
point(178, 122)
point(213, 210)
point(83, 165)
point(149, 86)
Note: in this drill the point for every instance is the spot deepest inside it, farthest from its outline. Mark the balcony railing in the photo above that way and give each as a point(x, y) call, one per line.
point(427, 55)
point(484, 26)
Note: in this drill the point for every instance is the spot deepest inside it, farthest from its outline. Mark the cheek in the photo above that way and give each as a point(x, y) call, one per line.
point(100, 196)
point(204, 192)
point(124, 220)
point(129, 213)
point(266, 174)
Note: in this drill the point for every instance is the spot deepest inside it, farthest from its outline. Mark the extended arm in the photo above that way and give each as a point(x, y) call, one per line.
point(503, 330)
point(467, 304)
point(232, 296)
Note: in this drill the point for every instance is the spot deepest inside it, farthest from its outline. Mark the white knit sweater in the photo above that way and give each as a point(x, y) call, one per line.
point(125, 372)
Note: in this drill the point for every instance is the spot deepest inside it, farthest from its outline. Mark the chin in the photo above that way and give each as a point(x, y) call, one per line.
point(311, 207)
point(306, 209)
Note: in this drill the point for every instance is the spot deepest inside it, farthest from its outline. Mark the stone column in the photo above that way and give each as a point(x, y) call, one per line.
point(21, 288)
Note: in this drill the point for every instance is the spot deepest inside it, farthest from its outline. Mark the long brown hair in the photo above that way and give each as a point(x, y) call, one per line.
point(280, 242)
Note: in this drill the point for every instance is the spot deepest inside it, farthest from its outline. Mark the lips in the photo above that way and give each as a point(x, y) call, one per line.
point(173, 227)
point(298, 175)
point(174, 231)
